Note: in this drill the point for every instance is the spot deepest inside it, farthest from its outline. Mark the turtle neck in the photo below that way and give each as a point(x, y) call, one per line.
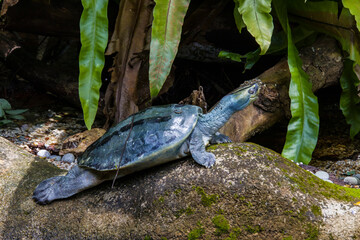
point(211, 122)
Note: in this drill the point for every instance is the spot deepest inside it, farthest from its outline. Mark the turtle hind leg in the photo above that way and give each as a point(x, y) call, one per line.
point(77, 180)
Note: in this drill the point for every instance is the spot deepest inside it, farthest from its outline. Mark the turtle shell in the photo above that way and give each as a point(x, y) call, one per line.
point(154, 135)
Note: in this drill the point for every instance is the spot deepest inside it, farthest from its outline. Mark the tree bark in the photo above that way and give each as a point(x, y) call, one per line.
point(130, 42)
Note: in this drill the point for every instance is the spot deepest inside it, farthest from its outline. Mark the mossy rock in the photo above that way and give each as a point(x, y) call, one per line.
point(251, 193)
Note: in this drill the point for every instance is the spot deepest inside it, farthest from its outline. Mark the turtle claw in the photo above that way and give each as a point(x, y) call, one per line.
point(220, 138)
point(44, 192)
point(208, 160)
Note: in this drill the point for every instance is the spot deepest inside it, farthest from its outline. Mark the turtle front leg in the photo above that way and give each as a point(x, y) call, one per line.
point(77, 180)
point(197, 149)
point(220, 138)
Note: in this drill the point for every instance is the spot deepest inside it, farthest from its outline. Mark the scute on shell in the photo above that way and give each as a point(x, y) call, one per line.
point(156, 134)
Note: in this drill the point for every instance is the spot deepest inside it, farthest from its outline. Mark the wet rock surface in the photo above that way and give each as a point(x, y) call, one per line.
point(251, 193)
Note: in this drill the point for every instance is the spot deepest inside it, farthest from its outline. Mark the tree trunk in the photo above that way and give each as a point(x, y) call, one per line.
point(130, 41)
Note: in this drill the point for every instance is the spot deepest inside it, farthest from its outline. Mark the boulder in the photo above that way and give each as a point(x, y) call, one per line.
point(251, 193)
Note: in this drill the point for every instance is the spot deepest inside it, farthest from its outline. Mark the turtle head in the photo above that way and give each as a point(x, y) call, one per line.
point(242, 96)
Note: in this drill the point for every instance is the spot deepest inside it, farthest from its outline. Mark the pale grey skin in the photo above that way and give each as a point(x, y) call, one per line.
point(200, 130)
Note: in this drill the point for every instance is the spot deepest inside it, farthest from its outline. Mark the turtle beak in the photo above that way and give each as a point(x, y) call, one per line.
point(243, 96)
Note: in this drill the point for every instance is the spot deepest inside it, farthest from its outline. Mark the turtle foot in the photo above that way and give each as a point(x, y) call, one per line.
point(220, 138)
point(45, 192)
point(207, 160)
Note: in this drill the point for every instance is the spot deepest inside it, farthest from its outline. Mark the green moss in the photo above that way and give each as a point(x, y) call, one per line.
point(235, 234)
point(215, 146)
point(196, 233)
point(288, 212)
point(288, 238)
point(302, 213)
point(206, 199)
point(163, 238)
point(147, 237)
point(220, 211)
point(254, 229)
point(161, 199)
point(221, 224)
point(242, 150)
point(313, 232)
point(316, 210)
point(177, 191)
point(187, 211)
point(269, 157)
point(312, 184)
point(238, 197)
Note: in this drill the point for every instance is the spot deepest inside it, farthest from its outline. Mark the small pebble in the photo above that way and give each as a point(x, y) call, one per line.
point(43, 153)
point(322, 175)
point(69, 158)
point(24, 127)
point(50, 113)
point(55, 157)
point(352, 180)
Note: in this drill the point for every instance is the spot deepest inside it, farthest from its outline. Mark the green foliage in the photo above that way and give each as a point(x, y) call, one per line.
point(278, 44)
point(6, 112)
point(94, 37)
point(354, 8)
point(303, 127)
point(237, 17)
point(349, 100)
point(256, 16)
point(324, 16)
point(165, 37)
point(318, 16)
point(4, 104)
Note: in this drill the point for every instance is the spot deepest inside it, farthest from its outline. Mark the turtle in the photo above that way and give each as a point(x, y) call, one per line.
point(150, 137)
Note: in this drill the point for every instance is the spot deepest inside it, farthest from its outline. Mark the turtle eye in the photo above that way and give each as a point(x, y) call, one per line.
point(253, 90)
